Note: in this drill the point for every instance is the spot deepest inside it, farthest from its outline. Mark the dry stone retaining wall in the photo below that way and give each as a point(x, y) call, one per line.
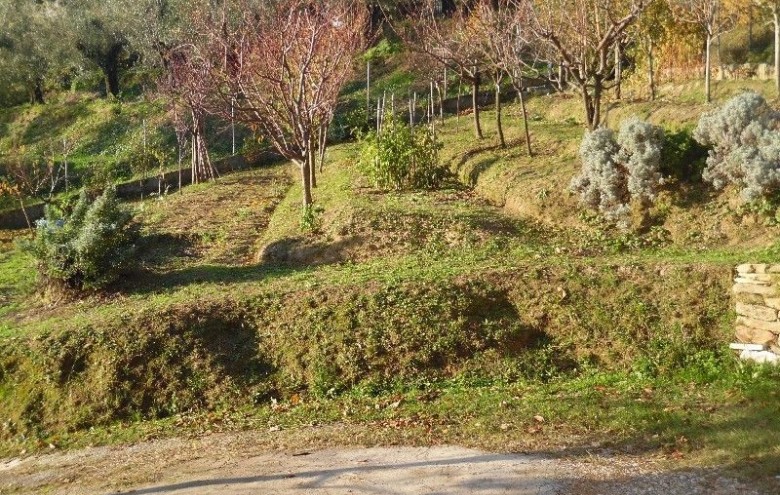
point(757, 293)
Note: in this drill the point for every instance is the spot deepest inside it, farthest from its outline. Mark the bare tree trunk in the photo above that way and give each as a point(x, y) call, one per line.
point(195, 153)
point(518, 84)
point(313, 170)
point(588, 103)
point(441, 101)
point(475, 106)
point(24, 212)
point(651, 69)
point(457, 101)
point(65, 164)
point(411, 114)
point(323, 145)
point(596, 101)
point(592, 103)
point(618, 70)
point(776, 20)
point(201, 163)
point(38, 96)
point(499, 127)
point(312, 156)
point(306, 182)
point(379, 117)
point(561, 77)
point(211, 172)
point(194, 160)
point(708, 70)
point(430, 109)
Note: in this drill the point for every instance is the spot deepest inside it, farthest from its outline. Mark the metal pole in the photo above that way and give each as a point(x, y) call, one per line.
point(65, 159)
point(233, 123)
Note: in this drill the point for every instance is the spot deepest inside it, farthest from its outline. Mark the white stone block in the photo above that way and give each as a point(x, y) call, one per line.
point(760, 357)
point(736, 346)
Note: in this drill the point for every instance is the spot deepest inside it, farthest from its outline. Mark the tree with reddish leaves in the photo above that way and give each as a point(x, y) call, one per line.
point(283, 65)
point(26, 175)
point(187, 82)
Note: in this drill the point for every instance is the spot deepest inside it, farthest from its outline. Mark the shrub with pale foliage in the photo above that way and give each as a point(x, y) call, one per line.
point(745, 146)
point(621, 168)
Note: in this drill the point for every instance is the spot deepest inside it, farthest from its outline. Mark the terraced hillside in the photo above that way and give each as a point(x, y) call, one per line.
point(458, 315)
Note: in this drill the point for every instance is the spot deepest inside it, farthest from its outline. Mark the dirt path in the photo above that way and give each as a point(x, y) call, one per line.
point(240, 463)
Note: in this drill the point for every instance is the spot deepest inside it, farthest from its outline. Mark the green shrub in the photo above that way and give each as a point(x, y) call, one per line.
point(88, 248)
point(398, 158)
point(682, 157)
point(382, 50)
point(348, 124)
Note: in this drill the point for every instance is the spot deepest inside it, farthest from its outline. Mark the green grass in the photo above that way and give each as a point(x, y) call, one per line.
point(17, 279)
point(407, 317)
point(690, 419)
point(102, 139)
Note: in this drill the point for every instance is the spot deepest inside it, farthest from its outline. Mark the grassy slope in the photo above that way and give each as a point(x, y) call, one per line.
point(96, 131)
point(429, 298)
point(102, 139)
point(692, 216)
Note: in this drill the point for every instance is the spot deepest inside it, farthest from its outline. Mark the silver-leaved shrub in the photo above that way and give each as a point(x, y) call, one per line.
point(620, 168)
point(744, 146)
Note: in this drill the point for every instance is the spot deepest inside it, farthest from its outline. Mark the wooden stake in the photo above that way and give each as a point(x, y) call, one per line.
point(368, 89)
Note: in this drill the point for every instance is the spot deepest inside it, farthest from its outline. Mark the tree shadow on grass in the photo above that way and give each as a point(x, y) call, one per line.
point(357, 478)
point(150, 282)
point(480, 168)
point(468, 155)
point(280, 259)
point(484, 164)
point(518, 474)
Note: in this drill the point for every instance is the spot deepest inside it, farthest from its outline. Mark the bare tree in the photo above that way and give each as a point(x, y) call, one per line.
point(29, 175)
point(187, 81)
point(651, 30)
point(583, 35)
point(285, 63)
point(772, 8)
point(449, 41)
point(714, 20)
point(502, 27)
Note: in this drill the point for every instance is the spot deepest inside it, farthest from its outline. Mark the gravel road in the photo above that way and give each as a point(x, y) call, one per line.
point(234, 464)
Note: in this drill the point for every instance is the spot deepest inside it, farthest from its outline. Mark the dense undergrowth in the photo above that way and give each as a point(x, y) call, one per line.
point(470, 306)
